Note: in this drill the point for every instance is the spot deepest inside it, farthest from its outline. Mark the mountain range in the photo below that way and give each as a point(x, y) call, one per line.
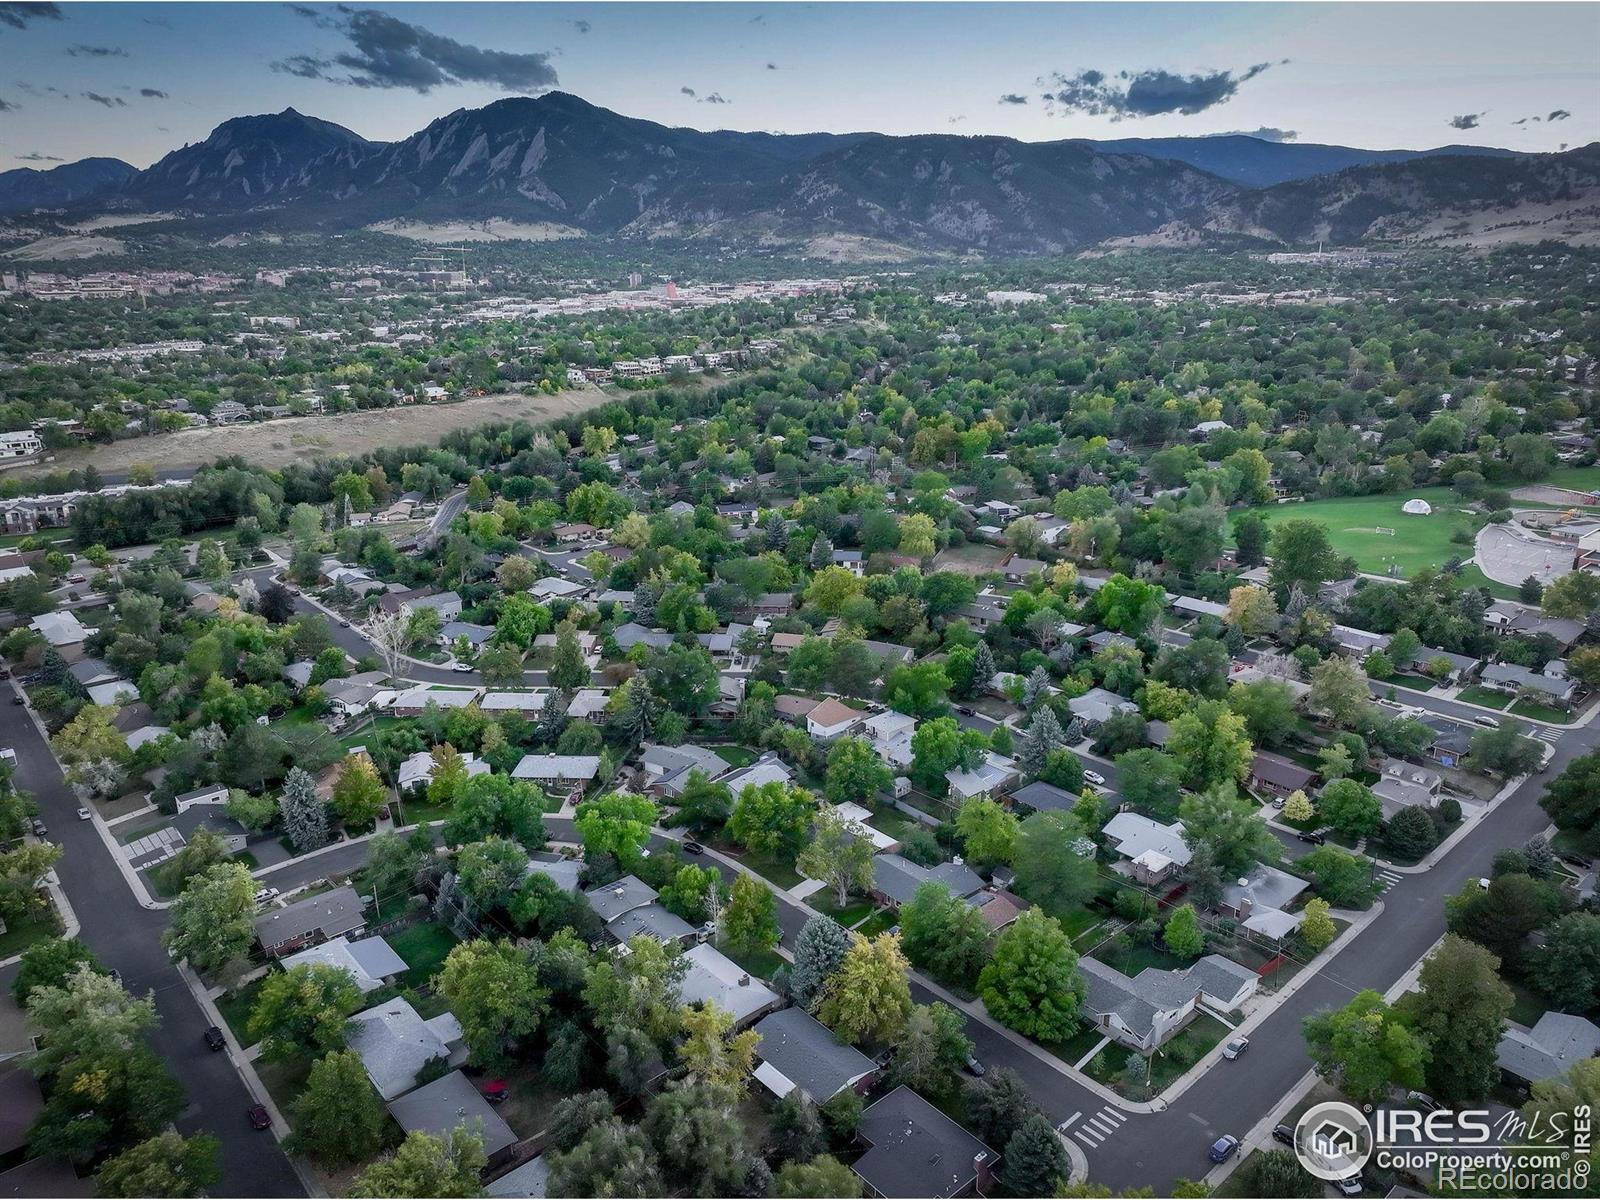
point(571, 168)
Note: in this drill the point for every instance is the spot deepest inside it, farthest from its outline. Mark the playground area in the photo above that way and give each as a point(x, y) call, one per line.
point(1382, 537)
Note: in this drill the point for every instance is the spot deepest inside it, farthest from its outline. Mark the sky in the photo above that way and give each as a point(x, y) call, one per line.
point(135, 80)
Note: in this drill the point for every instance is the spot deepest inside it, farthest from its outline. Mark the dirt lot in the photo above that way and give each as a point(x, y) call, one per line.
point(274, 444)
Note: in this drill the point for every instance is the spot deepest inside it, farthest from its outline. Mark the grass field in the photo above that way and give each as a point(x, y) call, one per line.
point(1418, 542)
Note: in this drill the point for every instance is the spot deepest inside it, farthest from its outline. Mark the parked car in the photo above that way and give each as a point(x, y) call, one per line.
point(1235, 1048)
point(463, 667)
point(1224, 1148)
point(19, 698)
point(1349, 1186)
point(1095, 778)
point(1314, 836)
point(214, 1038)
point(258, 1116)
point(693, 848)
point(84, 814)
point(8, 756)
point(39, 830)
point(343, 624)
point(1283, 1133)
point(265, 894)
point(1279, 801)
point(1487, 722)
point(976, 1067)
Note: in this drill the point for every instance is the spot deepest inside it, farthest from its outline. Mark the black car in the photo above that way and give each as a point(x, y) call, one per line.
point(1284, 1134)
point(258, 1116)
point(215, 1040)
point(693, 848)
point(1312, 836)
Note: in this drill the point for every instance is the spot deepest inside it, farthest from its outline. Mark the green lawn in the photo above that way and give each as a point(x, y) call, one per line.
point(1485, 697)
point(19, 935)
point(1533, 710)
point(1133, 959)
point(237, 1006)
point(736, 756)
point(847, 916)
point(772, 867)
point(879, 922)
point(1418, 542)
point(424, 947)
point(762, 964)
point(1579, 479)
point(1472, 576)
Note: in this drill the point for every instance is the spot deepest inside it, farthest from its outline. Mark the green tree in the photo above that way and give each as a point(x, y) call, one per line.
point(1032, 982)
point(988, 832)
point(1573, 798)
point(703, 805)
point(1228, 827)
point(822, 1177)
point(1504, 752)
point(1150, 780)
point(494, 991)
point(1036, 1161)
point(868, 996)
point(358, 793)
point(999, 1105)
point(168, 1164)
point(1278, 1173)
point(568, 671)
point(1183, 935)
point(1340, 877)
point(855, 772)
point(338, 1119)
point(839, 854)
point(1568, 964)
point(617, 823)
point(931, 1050)
point(818, 951)
point(1460, 1008)
point(1317, 929)
point(1210, 744)
point(1302, 555)
point(1502, 915)
point(50, 964)
point(496, 805)
point(1350, 808)
point(772, 818)
point(1054, 862)
point(212, 922)
point(1339, 689)
point(1129, 606)
point(944, 935)
point(303, 1011)
point(1364, 1049)
point(427, 1165)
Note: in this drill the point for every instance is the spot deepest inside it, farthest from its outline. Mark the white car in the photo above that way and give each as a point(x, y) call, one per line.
point(1095, 778)
point(265, 894)
point(8, 756)
point(84, 814)
point(461, 666)
point(1350, 1186)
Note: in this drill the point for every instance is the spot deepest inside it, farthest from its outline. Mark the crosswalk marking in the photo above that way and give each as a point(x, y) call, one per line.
point(1085, 1138)
point(1387, 879)
point(1070, 1119)
point(1115, 1114)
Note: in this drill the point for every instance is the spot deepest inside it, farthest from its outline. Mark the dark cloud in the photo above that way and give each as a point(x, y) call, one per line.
point(1130, 95)
point(82, 51)
point(153, 93)
point(715, 98)
point(34, 89)
point(6, 105)
point(37, 157)
point(687, 91)
point(1266, 133)
point(957, 119)
point(772, 66)
point(1466, 120)
point(759, 19)
point(17, 13)
point(1525, 120)
point(107, 101)
point(1559, 114)
point(1013, 98)
point(582, 26)
point(386, 52)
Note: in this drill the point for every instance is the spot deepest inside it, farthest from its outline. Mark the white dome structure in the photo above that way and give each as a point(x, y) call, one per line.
point(1417, 508)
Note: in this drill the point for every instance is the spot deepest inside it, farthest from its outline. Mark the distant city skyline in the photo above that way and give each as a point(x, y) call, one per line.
point(134, 81)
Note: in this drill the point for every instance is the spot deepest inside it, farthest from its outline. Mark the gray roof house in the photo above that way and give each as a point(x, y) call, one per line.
point(1508, 677)
point(1044, 797)
point(667, 768)
point(564, 872)
point(651, 921)
point(711, 977)
point(918, 1151)
point(895, 879)
point(314, 919)
point(1152, 850)
point(1097, 706)
point(798, 1051)
point(371, 961)
point(394, 1043)
point(1548, 1049)
point(1143, 1012)
point(448, 1103)
point(611, 900)
point(1259, 901)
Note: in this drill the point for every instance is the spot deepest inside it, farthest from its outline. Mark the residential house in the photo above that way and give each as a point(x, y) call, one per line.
point(831, 719)
point(326, 915)
point(589, 704)
point(890, 733)
point(990, 777)
point(1152, 851)
point(1260, 901)
point(454, 631)
point(914, 1150)
point(1451, 740)
point(558, 773)
point(213, 794)
point(769, 768)
point(1279, 776)
point(667, 768)
point(1044, 797)
point(1547, 689)
point(413, 702)
point(895, 879)
point(449, 1103)
point(394, 1043)
point(798, 1051)
point(1358, 643)
point(527, 704)
point(793, 709)
point(446, 604)
point(564, 872)
point(60, 629)
point(1143, 1012)
point(371, 961)
point(984, 611)
point(711, 977)
point(1549, 1050)
point(417, 770)
point(1507, 617)
point(1097, 706)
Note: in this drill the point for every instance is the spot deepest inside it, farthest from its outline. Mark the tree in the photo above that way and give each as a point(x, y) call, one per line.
point(1317, 929)
point(999, 1105)
point(617, 823)
point(1339, 689)
point(338, 1118)
point(1036, 1161)
point(796, 1129)
point(1502, 915)
point(1364, 1048)
point(1200, 667)
point(490, 871)
point(1504, 752)
point(22, 874)
point(868, 996)
point(1340, 877)
point(1183, 935)
point(772, 818)
point(1573, 596)
point(495, 805)
point(1298, 808)
point(1460, 1008)
point(168, 1164)
point(1054, 862)
point(305, 816)
point(1032, 982)
point(1302, 555)
point(931, 1050)
point(1228, 827)
point(427, 1165)
point(712, 1053)
point(1150, 780)
point(1411, 832)
point(919, 690)
point(684, 677)
point(698, 1140)
point(821, 1177)
point(818, 950)
point(611, 1159)
point(494, 991)
point(943, 934)
point(50, 964)
point(358, 793)
point(1210, 743)
point(1568, 964)
point(212, 922)
point(988, 832)
point(568, 670)
point(387, 632)
point(855, 772)
point(1278, 1173)
point(839, 854)
point(1573, 798)
point(302, 1011)
point(1350, 808)
point(1267, 706)
point(1253, 610)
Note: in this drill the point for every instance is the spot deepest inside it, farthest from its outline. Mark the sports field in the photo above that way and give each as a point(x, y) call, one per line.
point(1417, 542)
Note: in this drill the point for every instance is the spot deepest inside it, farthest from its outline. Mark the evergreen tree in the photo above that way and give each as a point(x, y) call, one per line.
point(305, 817)
point(818, 951)
point(1036, 1162)
point(1036, 688)
point(983, 668)
point(1042, 736)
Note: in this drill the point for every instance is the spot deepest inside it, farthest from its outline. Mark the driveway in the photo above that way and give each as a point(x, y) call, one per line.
point(1509, 555)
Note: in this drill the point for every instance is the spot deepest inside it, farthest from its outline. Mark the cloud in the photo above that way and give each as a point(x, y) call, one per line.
point(17, 13)
point(386, 52)
point(107, 101)
point(1013, 98)
point(1266, 133)
point(708, 98)
point(1525, 120)
point(957, 119)
point(1130, 95)
point(35, 156)
point(153, 93)
point(759, 19)
point(1467, 120)
point(715, 98)
point(772, 66)
point(1559, 114)
point(582, 26)
point(82, 51)
point(6, 105)
point(687, 91)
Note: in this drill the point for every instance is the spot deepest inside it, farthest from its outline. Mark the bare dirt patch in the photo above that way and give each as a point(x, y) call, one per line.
point(274, 444)
point(56, 249)
point(495, 229)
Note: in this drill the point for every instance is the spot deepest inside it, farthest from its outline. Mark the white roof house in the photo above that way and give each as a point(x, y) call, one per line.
point(854, 814)
point(711, 977)
point(565, 768)
point(988, 777)
point(60, 628)
point(370, 961)
point(418, 768)
point(394, 1043)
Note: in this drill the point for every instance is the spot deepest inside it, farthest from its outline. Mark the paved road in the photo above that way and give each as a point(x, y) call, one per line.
point(128, 937)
